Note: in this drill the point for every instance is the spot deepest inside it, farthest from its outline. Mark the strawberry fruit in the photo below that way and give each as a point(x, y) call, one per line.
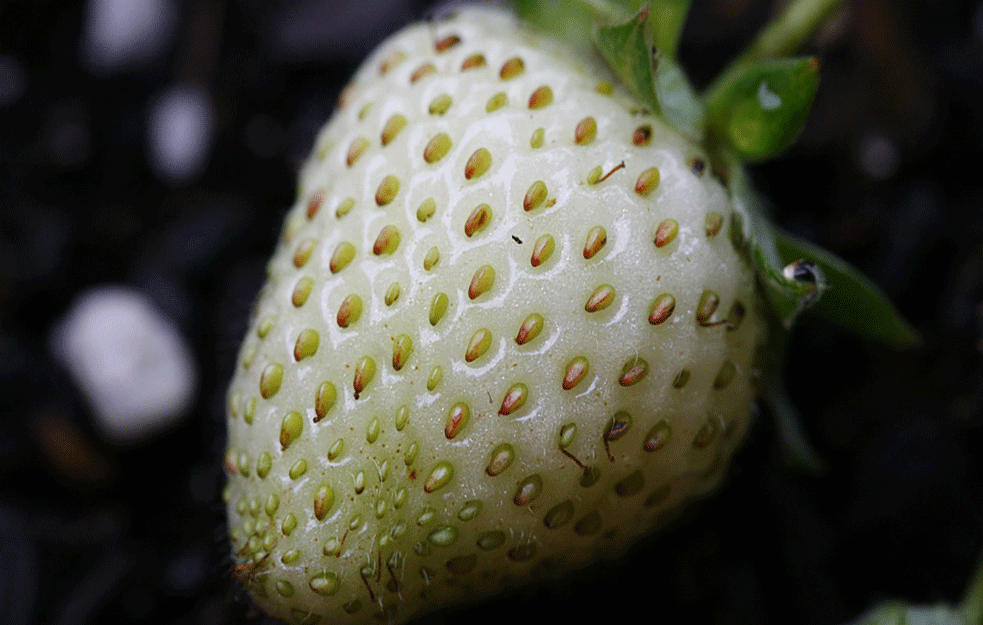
point(509, 328)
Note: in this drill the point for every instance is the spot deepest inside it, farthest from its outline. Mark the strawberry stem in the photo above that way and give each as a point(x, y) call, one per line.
point(785, 34)
point(972, 605)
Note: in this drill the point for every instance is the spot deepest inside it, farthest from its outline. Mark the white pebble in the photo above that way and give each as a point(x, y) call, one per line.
point(120, 34)
point(130, 362)
point(180, 132)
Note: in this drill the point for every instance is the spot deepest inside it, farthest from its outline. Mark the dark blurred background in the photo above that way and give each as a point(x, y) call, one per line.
point(152, 145)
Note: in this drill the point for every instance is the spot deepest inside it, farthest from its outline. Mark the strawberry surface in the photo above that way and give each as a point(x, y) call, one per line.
point(504, 334)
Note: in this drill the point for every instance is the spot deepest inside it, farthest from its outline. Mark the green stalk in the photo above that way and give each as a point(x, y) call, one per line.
point(972, 606)
point(785, 34)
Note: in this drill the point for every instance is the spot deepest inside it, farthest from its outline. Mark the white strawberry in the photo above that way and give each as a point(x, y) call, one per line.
point(505, 331)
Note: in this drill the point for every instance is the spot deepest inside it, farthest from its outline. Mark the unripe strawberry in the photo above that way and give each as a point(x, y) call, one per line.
point(506, 331)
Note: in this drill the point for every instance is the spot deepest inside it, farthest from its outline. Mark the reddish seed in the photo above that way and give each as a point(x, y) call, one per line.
point(446, 43)
point(314, 204)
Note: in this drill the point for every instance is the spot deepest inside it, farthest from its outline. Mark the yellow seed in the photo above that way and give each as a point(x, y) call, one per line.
point(440, 476)
point(666, 232)
point(457, 418)
point(528, 490)
point(349, 311)
point(324, 400)
point(391, 61)
point(537, 138)
point(478, 163)
point(394, 125)
point(306, 345)
point(302, 291)
point(356, 149)
point(474, 61)
point(264, 464)
point(535, 195)
point(345, 207)
point(633, 372)
point(392, 294)
point(604, 88)
point(647, 181)
point(440, 104)
point(336, 449)
point(585, 131)
point(501, 459)
point(303, 252)
point(291, 428)
point(364, 372)
point(596, 238)
point(438, 306)
point(662, 309)
point(478, 346)
point(576, 371)
point(601, 298)
point(437, 148)
point(343, 254)
point(372, 431)
point(714, 223)
point(594, 175)
point(478, 219)
point(436, 374)
point(402, 418)
point(542, 249)
point(402, 348)
point(314, 204)
point(387, 241)
point(426, 210)
point(433, 255)
point(297, 469)
point(325, 584)
point(387, 190)
point(530, 328)
point(270, 380)
point(707, 306)
point(423, 70)
point(515, 398)
point(446, 43)
point(482, 281)
point(542, 96)
point(496, 102)
point(511, 68)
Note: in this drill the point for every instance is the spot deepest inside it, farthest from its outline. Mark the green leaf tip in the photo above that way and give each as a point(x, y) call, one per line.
point(667, 20)
point(761, 112)
point(851, 300)
point(797, 275)
point(626, 49)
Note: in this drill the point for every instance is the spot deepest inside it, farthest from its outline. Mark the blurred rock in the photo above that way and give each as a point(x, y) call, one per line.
point(13, 80)
point(123, 34)
point(179, 133)
point(130, 362)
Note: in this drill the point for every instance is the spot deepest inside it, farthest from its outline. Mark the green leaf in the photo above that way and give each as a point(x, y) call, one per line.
point(574, 21)
point(761, 111)
point(626, 50)
point(788, 289)
point(681, 106)
point(667, 18)
point(851, 299)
